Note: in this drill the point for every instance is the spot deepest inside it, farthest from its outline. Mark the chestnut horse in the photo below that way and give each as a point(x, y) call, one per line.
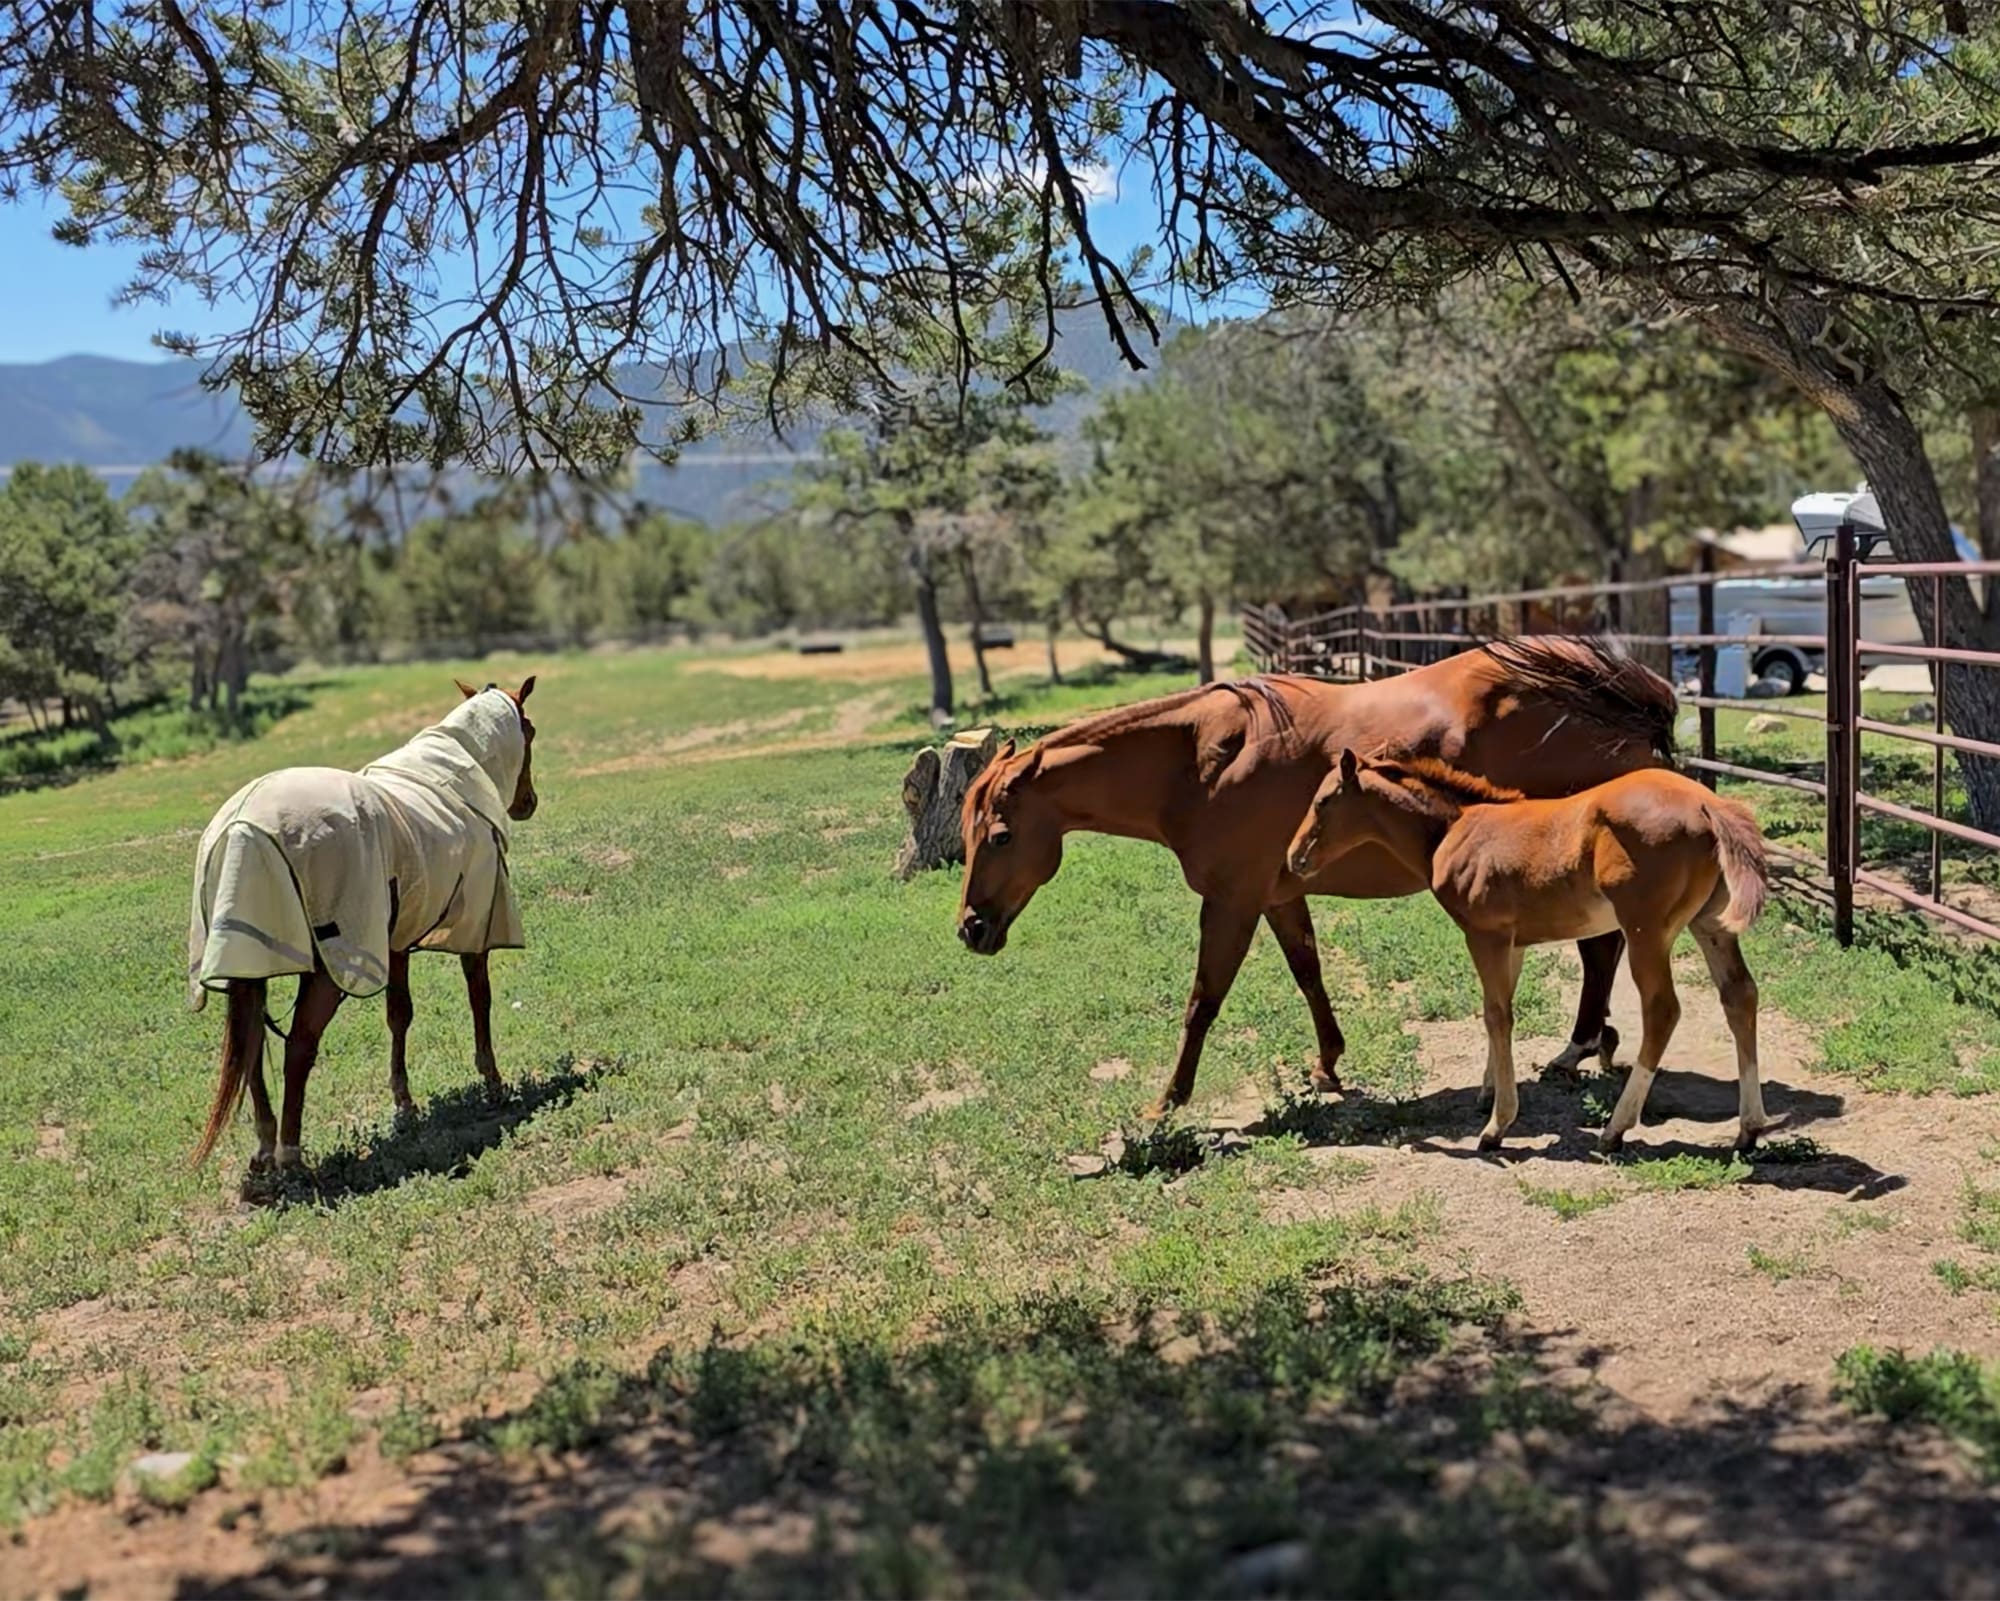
point(1649, 853)
point(1221, 775)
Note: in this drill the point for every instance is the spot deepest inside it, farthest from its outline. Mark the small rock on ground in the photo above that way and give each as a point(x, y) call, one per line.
point(1766, 724)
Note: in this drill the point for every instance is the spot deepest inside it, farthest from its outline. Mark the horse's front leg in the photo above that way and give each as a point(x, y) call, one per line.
point(1593, 1034)
point(1225, 940)
point(479, 993)
point(1499, 965)
point(1291, 922)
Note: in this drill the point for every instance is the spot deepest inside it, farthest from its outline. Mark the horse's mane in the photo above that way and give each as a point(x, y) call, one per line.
point(1435, 779)
point(1590, 677)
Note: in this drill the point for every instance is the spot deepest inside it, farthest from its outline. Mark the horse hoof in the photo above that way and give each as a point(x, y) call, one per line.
point(1611, 1144)
point(1607, 1048)
point(1746, 1141)
point(496, 1092)
point(1326, 1082)
point(406, 1112)
point(1489, 1141)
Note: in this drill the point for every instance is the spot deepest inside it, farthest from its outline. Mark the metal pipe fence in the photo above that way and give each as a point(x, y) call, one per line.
point(1358, 643)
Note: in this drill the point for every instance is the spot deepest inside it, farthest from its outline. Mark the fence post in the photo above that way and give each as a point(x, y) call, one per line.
point(1842, 694)
point(1705, 671)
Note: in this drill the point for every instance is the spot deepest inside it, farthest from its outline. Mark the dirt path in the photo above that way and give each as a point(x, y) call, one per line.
point(1657, 1294)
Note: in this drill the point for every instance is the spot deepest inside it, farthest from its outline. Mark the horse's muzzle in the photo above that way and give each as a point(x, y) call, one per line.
point(983, 936)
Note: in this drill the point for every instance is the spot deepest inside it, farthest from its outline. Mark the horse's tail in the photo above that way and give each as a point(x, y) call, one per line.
point(242, 1041)
point(1739, 849)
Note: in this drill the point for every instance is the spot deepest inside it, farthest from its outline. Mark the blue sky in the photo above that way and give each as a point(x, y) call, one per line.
point(58, 300)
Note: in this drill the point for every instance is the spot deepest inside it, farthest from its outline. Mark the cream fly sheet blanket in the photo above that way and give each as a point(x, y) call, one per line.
point(409, 852)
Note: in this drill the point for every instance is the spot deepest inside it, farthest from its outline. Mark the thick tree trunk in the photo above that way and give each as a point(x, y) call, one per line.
point(1205, 643)
point(1874, 424)
point(973, 604)
point(934, 796)
point(934, 642)
point(1055, 667)
point(1890, 449)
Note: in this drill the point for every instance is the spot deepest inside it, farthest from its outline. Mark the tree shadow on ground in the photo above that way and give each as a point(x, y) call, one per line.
point(55, 758)
point(445, 1136)
point(1387, 1438)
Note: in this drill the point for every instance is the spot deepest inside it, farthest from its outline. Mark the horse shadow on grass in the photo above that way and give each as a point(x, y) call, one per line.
point(444, 1137)
point(1398, 1437)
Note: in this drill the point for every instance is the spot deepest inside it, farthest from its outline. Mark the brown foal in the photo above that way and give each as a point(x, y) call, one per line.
point(1649, 853)
point(1221, 774)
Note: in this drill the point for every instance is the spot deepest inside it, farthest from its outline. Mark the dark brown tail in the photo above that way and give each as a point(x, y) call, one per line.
point(1739, 848)
point(242, 1041)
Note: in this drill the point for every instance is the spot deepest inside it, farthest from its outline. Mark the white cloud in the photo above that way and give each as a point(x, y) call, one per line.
point(1095, 182)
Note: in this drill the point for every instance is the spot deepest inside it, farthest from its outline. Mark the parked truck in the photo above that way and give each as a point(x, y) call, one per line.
point(1782, 606)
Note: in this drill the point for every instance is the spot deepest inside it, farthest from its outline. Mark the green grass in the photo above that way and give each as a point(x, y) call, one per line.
point(1569, 1205)
point(782, 1178)
point(1778, 1266)
point(1952, 1390)
point(1686, 1171)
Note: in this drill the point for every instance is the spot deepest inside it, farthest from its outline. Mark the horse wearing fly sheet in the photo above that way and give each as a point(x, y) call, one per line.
point(337, 877)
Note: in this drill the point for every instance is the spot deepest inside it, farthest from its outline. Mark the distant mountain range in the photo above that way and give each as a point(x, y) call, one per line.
point(121, 417)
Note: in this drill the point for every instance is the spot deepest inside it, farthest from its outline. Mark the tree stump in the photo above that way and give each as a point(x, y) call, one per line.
point(934, 796)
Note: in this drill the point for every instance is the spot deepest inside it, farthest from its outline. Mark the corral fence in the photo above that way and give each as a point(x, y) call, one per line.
point(1359, 643)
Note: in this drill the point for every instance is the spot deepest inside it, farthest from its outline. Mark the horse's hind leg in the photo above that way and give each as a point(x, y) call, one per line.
point(1225, 941)
point(401, 1013)
point(319, 999)
point(1653, 972)
point(1724, 954)
point(1593, 1034)
point(260, 1107)
point(1292, 924)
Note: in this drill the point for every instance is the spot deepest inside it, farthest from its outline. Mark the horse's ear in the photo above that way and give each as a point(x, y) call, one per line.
point(527, 688)
point(1004, 751)
point(1034, 764)
point(1350, 768)
point(464, 688)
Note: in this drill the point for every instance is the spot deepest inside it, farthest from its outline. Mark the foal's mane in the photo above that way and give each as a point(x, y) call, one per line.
point(1438, 789)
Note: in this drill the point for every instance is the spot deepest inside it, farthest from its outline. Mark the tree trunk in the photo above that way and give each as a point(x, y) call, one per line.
point(1890, 449)
point(1874, 424)
point(934, 796)
point(1985, 420)
point(1205, 648)
point(1137, 655)
point(197, 679)
point(1055, 667)
point(971, 575)
point(934, 644)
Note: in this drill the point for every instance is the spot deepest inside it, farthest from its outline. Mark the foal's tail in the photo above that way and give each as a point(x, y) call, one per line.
point(242, 1041)
point(1739, 848)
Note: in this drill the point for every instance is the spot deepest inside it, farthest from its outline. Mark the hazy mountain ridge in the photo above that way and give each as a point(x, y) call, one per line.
point(121, 417)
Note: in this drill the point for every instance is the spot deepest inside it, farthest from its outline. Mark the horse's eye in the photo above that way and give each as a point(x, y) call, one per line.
point(998, 838)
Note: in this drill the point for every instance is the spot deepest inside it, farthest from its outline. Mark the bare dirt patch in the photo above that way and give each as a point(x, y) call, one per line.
point(578, 1199)
point(1657, 1295)
point(611, 858)
point(662, 751)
